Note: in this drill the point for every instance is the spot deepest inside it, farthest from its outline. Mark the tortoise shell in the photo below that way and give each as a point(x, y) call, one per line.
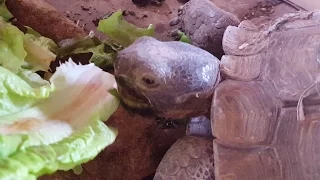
point(265, 114)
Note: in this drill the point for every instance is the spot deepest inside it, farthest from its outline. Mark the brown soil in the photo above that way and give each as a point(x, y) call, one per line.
point(141, 142)
point(86, 13)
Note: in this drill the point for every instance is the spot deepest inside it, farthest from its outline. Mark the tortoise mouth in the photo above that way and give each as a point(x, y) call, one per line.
point(130, 96)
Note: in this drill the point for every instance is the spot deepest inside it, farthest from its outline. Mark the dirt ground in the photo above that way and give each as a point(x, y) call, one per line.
point(87, 12)
point(141, 143)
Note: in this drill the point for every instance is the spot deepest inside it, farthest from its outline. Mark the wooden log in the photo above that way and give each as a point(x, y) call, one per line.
point(45, 19)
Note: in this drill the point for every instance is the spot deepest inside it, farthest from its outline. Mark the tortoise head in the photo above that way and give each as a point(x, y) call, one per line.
point(174, 79)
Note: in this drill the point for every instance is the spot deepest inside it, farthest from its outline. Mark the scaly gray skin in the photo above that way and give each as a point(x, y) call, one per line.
point(204, 23)
point(174, 79)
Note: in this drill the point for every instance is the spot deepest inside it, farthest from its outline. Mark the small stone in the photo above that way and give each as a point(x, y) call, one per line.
point(67, 13)
point(156, 2)
point(132, 13)
point(141, 2)
point(183, 1)
point(84, 8)
point(125, 13)
point(96, 21)
point(175, 21)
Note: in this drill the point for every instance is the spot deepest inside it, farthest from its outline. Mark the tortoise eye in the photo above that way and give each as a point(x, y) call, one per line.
point(148, 81)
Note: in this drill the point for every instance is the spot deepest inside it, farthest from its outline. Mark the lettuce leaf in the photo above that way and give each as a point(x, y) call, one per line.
point(99, 57)
point(30, 50)
point(103, 53)
point(4, 12)
point(184, 37)
point(121, 31)
point(68, 46)
point(54, 124)
point(36, 51)
point(40, 51)
point(58, 126)
point(12, 52)
point(17, 94)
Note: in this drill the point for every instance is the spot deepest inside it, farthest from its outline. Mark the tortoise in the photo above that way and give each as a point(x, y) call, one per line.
point(261, 95)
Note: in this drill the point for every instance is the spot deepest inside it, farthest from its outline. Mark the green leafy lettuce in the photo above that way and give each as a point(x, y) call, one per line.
point(4, 12)
point(51, 125)
point(122, 31)
point(103, 53)
point(184, 37)
point(120, 34)
point(58, 125)
point(99, 56)
point(33, 51)
point(40, 51)
point(12, 52)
